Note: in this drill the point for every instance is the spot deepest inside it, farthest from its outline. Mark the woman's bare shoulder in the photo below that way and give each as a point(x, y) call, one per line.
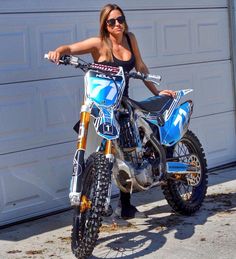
point(131, 35)
point(132, 39)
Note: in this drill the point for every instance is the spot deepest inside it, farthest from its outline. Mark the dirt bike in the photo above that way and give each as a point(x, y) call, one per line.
point(144, 144)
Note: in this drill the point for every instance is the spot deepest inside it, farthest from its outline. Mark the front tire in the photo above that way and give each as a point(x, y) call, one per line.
point(86, 223)
point(184, 197)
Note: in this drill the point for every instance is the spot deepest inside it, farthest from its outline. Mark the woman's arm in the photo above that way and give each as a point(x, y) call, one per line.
point(82, 47)
point(141, 67)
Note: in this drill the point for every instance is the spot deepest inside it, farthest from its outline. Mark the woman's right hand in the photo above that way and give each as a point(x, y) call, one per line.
point(54, 56)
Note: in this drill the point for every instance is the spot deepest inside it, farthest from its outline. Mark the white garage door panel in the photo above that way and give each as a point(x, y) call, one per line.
point(217, 135)
point(34, 182)
point(177, 37)
point(165, 38)
point(38, 113)
point(211, 82)
point(79, 5)
point(26, 37)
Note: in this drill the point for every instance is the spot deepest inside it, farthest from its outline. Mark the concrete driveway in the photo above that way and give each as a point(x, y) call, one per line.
point(210, 233)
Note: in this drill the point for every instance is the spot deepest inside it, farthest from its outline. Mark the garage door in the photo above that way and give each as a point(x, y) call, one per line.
point(187, 42)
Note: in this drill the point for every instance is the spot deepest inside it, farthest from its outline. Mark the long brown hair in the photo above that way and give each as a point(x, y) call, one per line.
point(104, 35)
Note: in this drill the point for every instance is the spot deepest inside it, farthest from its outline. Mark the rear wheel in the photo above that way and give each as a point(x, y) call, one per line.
point(88, 217)
point(185, 193)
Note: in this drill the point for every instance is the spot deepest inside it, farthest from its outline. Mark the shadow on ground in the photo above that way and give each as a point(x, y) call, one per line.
point(132, 244)
point(130, 241)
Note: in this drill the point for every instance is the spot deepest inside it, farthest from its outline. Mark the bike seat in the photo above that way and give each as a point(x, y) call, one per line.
point(158, 103)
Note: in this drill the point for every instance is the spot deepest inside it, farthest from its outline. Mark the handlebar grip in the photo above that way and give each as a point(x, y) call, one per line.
point(155, 77)
point(65, 59)
point(145, 77)
point(137, 75)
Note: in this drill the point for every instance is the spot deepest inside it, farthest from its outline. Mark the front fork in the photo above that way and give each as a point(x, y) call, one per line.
point(108, 152)
point(78, 161)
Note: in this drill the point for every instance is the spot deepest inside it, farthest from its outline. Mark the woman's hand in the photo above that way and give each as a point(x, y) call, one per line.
point(54, 56)
point(168, 92)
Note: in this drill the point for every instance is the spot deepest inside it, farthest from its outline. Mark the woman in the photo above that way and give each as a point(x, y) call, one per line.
point(115, 46)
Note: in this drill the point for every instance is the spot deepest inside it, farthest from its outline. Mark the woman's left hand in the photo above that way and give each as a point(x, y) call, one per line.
point(168, 92)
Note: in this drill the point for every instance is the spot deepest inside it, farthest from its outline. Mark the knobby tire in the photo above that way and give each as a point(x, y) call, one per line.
point(86, 224)
point(198, 193)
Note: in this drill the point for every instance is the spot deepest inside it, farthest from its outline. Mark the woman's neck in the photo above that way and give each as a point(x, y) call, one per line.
point(117, 40)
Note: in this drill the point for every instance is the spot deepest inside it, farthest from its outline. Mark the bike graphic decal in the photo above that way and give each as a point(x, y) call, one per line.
point(172, 107)
point(102, 89)
point(179, 95)
point(103, 85)
point(107, 128)
point(106, 125)
point(176, 126)
point(180, 119)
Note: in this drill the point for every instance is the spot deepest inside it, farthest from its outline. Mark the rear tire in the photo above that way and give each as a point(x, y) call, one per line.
point(86, 224)
point(183, 197)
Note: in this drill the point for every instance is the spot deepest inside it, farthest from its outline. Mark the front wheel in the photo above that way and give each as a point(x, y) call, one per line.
point(88, 217)
point(183, 195)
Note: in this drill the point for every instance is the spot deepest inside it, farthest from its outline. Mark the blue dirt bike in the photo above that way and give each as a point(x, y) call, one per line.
point(144, 144)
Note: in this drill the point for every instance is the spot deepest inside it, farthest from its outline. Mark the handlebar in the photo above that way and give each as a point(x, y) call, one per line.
point(145, 77)
point(79, 63)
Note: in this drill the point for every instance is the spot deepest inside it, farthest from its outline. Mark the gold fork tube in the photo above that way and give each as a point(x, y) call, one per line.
point(108, 148)
point(83, 130)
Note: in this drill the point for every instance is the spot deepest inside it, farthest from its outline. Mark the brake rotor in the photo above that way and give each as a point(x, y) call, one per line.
point(194, 179)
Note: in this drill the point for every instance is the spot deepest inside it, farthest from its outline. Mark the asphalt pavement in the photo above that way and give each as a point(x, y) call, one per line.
point(209, 234)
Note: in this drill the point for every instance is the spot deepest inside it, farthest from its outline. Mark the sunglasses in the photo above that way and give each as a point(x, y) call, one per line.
point(112, 22)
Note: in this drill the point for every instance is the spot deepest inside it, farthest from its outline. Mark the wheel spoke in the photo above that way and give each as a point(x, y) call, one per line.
point(183, 152)
point(185, 192)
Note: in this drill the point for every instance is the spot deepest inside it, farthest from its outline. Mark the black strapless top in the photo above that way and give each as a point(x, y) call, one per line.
point(127, 65)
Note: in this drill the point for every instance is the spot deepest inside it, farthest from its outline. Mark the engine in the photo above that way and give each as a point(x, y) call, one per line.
point(137, 169)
